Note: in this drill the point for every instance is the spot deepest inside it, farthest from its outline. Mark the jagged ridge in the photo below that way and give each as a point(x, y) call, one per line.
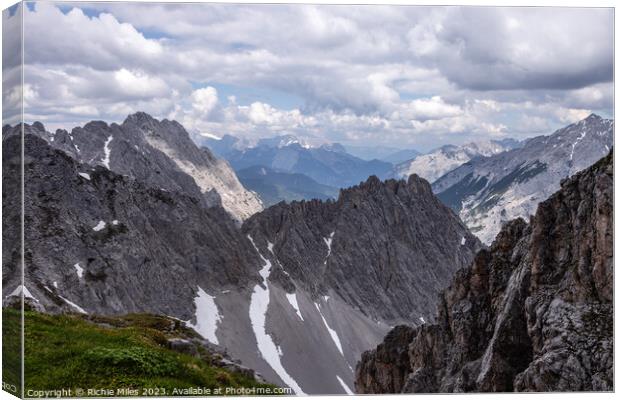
point(159, 153)
point(384, 247)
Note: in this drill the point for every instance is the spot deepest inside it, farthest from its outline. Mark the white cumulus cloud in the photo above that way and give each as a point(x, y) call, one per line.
point(373, 74)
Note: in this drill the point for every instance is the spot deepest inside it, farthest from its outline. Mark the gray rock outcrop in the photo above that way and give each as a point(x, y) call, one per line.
point(534, 312)
point(106, 243)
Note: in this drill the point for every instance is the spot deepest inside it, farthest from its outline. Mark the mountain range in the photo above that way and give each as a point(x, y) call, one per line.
point(274, 187)
point(327, 164)
point(332, 165)
point(433, 165)
point(228, 144)
point(159, 153)
point(401, 156)
point(136, 218)
point(488, 191)
point(113, 229)
point(393, 155)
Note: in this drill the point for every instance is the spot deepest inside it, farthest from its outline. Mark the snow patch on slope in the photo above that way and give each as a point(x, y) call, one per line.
point(579, 139)
point(332, 332)
point(207, 316)
point(72, 304)
point(18, 291)
point(328, 242)
point(346, 387)
point(292, 299)
point(259, 303)
point(78, 270)
point(106, 152)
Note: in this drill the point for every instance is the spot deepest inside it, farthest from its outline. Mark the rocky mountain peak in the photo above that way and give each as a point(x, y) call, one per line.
point(38, 126)
point(408, 190)
point(140, 118)
point(436, 163)
point(163, 129)
point(159, 153)
point(171, 131)
point(373, 183)
point(336, 147)
point(592, 124)
point(96, 125)
point(418, 183)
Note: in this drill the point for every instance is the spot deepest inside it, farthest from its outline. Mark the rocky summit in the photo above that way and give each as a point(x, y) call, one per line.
point(534, 312)
point(159, 153)
point(433, 165)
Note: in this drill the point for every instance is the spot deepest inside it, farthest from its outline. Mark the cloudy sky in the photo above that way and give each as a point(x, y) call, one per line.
point(387, 75)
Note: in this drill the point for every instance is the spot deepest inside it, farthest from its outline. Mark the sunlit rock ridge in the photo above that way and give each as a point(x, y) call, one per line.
point(489, 191)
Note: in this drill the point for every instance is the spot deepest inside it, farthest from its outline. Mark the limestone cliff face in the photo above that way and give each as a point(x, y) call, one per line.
point(386, 248)
point(534, 312)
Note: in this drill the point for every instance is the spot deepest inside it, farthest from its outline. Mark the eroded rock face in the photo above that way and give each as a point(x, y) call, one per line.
point(104, 243)
point(386, 369)
point(158, 153)
point(534, 312)
point(386, 247)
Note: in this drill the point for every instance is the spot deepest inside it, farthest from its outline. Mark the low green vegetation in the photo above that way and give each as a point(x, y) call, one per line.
point(129, 355)
point(11, 352)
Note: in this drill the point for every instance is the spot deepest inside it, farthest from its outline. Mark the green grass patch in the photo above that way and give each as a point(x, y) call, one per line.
point(11, 352)
point(130, 352)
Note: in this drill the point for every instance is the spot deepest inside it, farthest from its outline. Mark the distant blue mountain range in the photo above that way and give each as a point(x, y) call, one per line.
point(274, 187)
point(328, 164)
